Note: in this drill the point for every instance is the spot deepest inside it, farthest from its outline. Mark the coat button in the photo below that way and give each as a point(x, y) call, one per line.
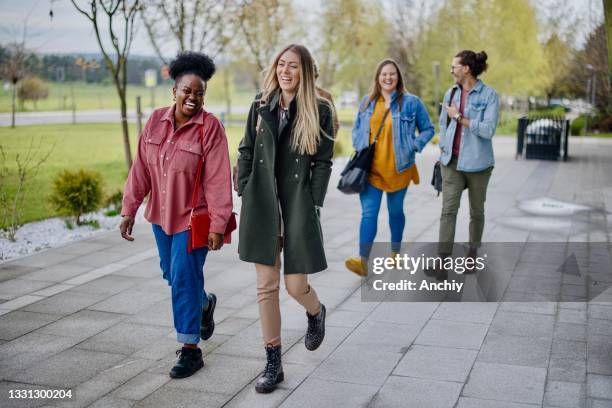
point(297, 160)
point(261, 145)
point(296, 176)
point(261, 160)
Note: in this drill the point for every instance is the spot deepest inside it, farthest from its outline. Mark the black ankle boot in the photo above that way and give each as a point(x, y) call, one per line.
point(273, 373)
point(190, 361)
point(316, 329)
point(208, 320)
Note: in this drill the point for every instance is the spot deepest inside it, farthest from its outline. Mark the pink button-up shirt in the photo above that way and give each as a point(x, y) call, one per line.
point(166, 164)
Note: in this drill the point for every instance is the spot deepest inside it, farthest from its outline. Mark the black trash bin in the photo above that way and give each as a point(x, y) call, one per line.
point(543, 138)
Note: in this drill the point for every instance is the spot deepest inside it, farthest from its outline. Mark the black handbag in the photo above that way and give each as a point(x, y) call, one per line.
point(354, 177)
point(436, 178)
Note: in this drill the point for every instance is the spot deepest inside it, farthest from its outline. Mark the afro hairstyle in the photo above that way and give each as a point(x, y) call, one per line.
point(189, 62)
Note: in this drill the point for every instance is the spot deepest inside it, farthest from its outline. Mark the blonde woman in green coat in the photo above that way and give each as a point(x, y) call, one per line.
point(283, 171)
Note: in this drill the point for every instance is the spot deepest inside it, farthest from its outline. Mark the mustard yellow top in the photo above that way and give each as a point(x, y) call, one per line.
point(383, 174)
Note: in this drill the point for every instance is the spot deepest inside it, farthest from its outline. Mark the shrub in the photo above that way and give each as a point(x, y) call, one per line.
point(577, 125)
point(114, 203)
point(32, 89)
point(77, 193)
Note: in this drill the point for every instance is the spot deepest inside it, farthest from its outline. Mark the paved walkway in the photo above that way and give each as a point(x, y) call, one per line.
point(95, 316)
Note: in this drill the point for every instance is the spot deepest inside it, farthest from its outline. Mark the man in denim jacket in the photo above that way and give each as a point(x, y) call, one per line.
point(467, 126)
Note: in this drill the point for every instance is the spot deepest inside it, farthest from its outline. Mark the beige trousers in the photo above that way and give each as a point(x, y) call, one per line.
point(268, 284)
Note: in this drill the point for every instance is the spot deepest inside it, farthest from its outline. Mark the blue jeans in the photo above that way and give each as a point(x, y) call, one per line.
point(370, 206)
point(184, 274)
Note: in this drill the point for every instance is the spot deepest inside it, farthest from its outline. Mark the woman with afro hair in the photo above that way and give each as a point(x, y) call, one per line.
point(175, 139)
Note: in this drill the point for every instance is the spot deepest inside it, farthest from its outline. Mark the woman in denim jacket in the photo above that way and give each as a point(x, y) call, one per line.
point(393, 166)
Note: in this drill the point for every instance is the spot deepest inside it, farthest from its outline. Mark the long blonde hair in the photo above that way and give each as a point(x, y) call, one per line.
point(306, 127)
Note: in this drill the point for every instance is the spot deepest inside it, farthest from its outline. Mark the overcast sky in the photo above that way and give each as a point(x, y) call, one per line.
point(70, 32)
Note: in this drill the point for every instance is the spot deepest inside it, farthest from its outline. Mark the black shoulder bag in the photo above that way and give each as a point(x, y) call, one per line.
point(354, 177)
point(436, 179)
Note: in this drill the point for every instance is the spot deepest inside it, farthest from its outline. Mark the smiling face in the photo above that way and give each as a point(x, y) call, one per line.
point(288, 71)
point(388, 78)
point(189, 93)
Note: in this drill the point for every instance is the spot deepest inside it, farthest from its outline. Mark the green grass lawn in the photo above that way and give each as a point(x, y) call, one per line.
point(97, 96)
point(96, 147)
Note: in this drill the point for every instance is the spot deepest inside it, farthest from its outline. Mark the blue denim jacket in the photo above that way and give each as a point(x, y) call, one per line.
point(482, 109)
point(412, 115)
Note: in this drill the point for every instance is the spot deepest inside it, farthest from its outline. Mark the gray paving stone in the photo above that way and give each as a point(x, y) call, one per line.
point(158, 349)
point(108, 285)
point(392, 337)
point(248, 342)
point(315, 392)
point(222, 374)
point(600, 312)
point(515, 350)
point(43, 259)
point(89, 392)
point(158, 314)
point(354, 304)
point(522, 324)
point(569, 349)
point(124, 371)
point(565, 394)
point(18, 323)
point(480, 403)
point(570, 331)
point(334, 336)
point(128, 302)
point(81, 247)
point(344, 318)
point(572, 316)
point(407, 392)
point(99, 258)
point(167, 396)
point(140, 386)
point(446, 333)
point(82, 324)
point(68, 368)
point(233, 325)
point(65, 303)
point(598, 356)
point(600, 327)
point(249, 398)
point(12, 271)
point(112, 402)
point(597, 403)
point(351, 364)
point(57, 273)
point(124, 338)
point(506, 383)
point(599, 386)
point(567, 369)
point(13, 288)
point(436, 363)
point(473, 312)
point(549, 308)
point(27, 350)
point(417, 313)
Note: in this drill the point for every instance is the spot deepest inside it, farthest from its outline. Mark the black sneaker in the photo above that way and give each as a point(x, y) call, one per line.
point(190, 361)
point(316, 329)
point(208, 322)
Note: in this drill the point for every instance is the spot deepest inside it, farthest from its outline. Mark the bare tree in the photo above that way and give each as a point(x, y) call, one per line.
point(608, 24)
point(14, 69)
point(116, 11)
point(196, 25)
point(260, 23)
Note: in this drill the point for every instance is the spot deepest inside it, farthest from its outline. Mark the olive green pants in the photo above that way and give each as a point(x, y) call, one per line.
point(453, 184)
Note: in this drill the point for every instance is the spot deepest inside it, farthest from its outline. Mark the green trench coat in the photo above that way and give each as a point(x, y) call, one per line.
point(269, 174)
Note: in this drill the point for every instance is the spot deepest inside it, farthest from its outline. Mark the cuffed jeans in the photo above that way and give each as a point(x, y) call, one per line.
point(184, 274)
point(453, 184)
point(268, 284)
point(371, 198)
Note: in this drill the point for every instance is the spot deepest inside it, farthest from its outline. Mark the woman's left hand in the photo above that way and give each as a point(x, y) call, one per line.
point(215, 241)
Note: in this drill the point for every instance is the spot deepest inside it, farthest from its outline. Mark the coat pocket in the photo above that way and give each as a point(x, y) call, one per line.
point(152, 150)
point(187, 156)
